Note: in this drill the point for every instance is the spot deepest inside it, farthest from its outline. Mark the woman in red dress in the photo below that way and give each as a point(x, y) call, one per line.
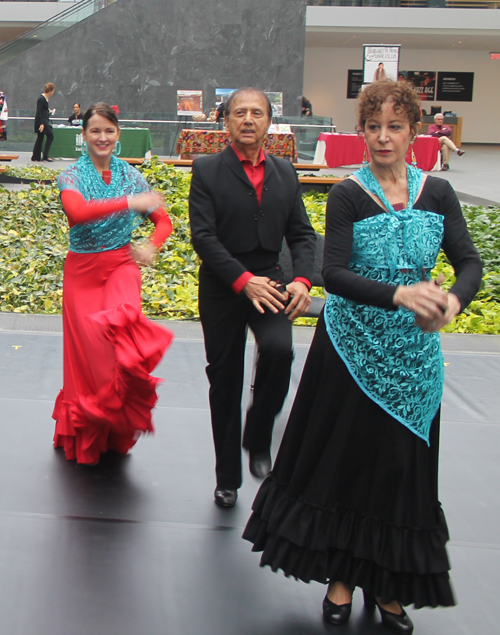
point(110, 348)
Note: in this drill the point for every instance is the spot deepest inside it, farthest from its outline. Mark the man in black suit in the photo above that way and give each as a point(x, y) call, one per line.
point(242, 203)
point(43, 127)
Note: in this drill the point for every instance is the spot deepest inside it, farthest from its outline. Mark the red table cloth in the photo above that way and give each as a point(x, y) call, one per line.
point(347, 149)
point(191, 143)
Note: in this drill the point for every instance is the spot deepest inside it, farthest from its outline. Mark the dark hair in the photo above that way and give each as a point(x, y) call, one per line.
point(402, 93)
point(248, 89)
point(100, 109)
point(49, 87)
point(76, 104)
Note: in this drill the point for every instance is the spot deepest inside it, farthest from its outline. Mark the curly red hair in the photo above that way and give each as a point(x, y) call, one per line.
point(401, 93)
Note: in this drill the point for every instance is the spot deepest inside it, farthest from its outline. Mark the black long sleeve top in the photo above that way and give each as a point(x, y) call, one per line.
point(349, 203)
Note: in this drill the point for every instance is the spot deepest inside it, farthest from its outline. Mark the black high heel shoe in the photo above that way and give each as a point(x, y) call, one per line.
point(400, 624)
point(336, 614)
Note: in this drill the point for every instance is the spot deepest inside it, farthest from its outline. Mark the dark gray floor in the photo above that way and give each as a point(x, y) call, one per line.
point(136, 546)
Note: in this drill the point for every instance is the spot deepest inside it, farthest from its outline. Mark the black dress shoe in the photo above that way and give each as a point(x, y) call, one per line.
point(260, 464)
point(49, 160)
point(226, 497)
point(336, 614)
point(399, 624)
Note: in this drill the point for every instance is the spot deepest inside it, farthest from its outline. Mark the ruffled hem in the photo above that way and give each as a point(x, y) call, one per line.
point(311, 543)
point(115, 417)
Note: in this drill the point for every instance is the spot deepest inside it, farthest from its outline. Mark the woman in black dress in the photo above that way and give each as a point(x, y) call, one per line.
point(352, 499)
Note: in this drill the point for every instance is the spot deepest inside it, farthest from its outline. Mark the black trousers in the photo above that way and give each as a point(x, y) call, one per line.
point(225, 317)
point(37, 148)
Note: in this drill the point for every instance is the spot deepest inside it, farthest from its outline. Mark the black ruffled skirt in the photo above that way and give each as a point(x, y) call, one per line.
point(353, 494)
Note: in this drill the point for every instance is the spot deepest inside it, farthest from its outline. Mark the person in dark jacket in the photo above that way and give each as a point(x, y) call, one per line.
point(242, 203)
point(43, 127)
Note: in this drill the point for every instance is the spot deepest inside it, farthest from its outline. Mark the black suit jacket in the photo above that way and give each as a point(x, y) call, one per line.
point(227, 220)
point(42, 113)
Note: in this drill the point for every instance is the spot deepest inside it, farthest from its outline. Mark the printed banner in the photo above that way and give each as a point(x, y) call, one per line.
point(423, 81)
point(380, 61)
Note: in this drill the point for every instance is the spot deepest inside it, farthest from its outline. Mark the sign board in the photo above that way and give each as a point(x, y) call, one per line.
point(380, 61)
point(354, 83)
point(455, 86)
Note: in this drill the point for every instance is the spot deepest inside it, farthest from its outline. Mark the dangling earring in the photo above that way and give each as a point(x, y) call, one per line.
point(85, 148)
point(365, 155)
point(117, 149)
point(413, 158)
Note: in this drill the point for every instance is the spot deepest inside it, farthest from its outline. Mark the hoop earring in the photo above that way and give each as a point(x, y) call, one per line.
point(117, 149)
point(365, 155)
point(413, 158)
point(85, 148)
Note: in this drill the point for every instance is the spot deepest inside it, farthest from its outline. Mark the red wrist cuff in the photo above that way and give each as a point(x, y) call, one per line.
point(240, 282)
point(304, 281)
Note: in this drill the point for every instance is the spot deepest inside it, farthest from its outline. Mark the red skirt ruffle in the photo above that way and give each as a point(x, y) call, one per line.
point(110, 349)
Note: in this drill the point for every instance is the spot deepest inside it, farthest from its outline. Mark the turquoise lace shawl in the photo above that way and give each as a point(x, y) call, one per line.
point(113, 231)
point(392, 360)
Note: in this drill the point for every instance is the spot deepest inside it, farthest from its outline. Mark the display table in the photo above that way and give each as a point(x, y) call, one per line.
point(136, 142)
point(347, 149)
point(191, 143)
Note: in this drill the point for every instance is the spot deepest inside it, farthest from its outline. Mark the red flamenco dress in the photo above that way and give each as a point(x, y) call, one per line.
point(110, 348)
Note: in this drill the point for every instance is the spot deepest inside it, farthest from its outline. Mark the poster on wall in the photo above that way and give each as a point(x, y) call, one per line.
point(354, 83)
point(455, 86)
point(276, 100)
point(189, 102)
point(423, 81)
point(380, 61)
point(222, 94)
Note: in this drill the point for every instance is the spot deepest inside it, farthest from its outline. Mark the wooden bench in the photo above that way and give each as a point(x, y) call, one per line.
point(312, 167)
point(8, 157)
point(132, 160)
point(321, 184)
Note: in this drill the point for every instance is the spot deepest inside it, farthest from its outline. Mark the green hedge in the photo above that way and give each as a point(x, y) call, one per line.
point(34, 238)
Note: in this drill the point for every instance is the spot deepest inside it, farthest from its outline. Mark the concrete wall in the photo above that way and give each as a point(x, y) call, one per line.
point(137, 53)
point(325, 84)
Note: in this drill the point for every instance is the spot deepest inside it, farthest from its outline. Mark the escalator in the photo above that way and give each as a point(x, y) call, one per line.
point(60, 22)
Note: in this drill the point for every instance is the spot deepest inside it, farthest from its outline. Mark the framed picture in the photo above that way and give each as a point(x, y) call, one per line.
point(189, 102)
point(276, 100)
point(423, 81)
point(380, 61)
point(221, 94)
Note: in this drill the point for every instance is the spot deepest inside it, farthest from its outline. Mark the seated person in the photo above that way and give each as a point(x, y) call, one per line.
point(77, 117)
point(443, 132)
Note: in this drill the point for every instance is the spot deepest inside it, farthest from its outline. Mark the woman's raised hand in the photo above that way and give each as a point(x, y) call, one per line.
point(146, 202)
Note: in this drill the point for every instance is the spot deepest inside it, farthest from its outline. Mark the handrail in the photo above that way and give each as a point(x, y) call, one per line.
point(178, 121)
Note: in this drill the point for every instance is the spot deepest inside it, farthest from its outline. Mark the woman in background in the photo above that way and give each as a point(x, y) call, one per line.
point(43, 127)
point(110, 348)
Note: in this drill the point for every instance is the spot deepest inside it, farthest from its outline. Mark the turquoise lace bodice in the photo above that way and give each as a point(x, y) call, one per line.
point(393, 361)
point(113, 231)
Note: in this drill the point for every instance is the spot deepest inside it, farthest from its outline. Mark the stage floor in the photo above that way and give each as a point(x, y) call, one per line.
point(136, 546)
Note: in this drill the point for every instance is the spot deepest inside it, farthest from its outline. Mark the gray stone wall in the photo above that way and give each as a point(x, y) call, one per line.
point(138, 53)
